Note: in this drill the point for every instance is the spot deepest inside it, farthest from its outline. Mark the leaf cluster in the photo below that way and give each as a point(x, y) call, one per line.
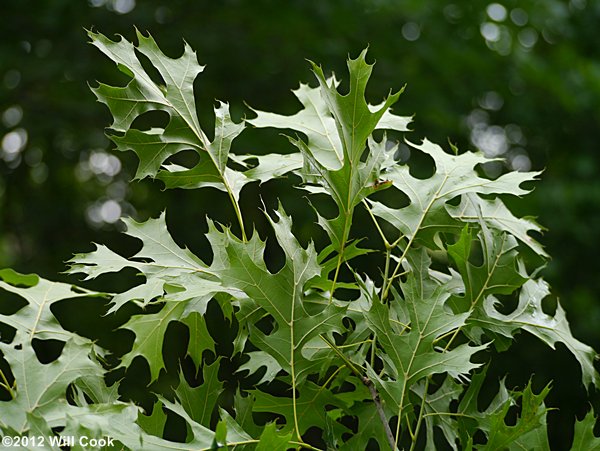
point(325, 354)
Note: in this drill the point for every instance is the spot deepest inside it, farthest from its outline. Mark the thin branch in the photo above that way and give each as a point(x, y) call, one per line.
point(373, 348)
point(372, 390)
point(341, 355)
point(421, 414)
point(375, 396)
point(381, 234)
point(386, 270)
point(345, 235)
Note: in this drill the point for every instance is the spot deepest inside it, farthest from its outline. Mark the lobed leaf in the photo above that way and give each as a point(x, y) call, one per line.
point(500, 272)
point(338, 129)
point(199, 402)
point(410, 348)
point(41, 389)
point(36, 320)
point(455, 175)
point(530, 316)
point(496, 215)
point(173, 94)
point(280, 295)
point(160, 260)
point(584, 438)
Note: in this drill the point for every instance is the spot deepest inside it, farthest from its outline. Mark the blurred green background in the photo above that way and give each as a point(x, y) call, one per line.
point(517, 79)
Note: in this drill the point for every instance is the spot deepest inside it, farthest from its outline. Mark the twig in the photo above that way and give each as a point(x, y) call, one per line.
point(372, 390)
point(375, 396)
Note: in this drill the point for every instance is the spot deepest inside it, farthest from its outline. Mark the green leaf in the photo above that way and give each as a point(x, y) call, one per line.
point(36, 320)
point(41, 389)
point(272, 165)
point(101, 261)
point(186, 305)
point(531, 419)
point(258, 360)
point(200, 338)
point(317, 123)
point(142, 94)
point(455, 175)
point(212, 170)
point(314, 121)
point(272, 440)
point(98, 421)
point(369, 427)
point(530, 316)
point(153, 424)
point(150, 330)
point(309, 409)
point(234, 433)
point(12, 277)
point(160, 247)
point(529, 430)
point(350, 251)
point(438, 412)
point(93, 386)
point(39, 428)
point(244, 407)
point(412, 355)
point(201, 437)
point(154, 146)
point(119, 422)
point(160, 260)
point(496, 215)
point(347, 186)
point(173, 275)
point(200, 402)
point(338, 128)
point(354, 119)
point(584, 439)
point(280, 295)
point(499, 273)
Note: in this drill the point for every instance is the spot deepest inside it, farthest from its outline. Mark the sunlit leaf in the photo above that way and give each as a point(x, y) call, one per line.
point(41, 389)
point(455, 175)
point(36, 319)
point(551, 329)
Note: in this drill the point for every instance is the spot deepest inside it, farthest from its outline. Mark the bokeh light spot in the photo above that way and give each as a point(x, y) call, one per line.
point(528, 37)
point(12, 116)
point(13, 143)
point(491, 100)
point(490, 31)
point(519, 17)
point(496, 11)
point(411, 31)
point(103, 163)
point(110, 211)
point(12, 78)
point(520, 163)
point(123, 6)
point(39, 173)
